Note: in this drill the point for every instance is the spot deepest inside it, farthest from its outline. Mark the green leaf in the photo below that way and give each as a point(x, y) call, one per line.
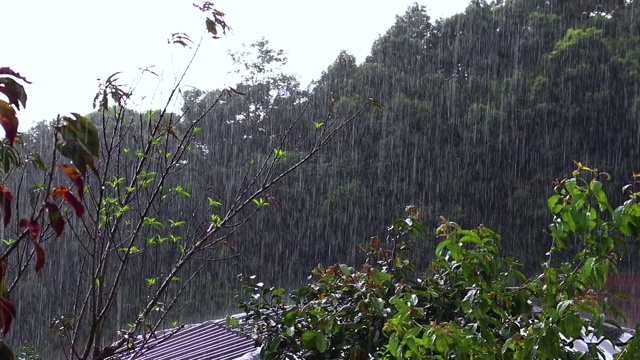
point(345, 269)
point(586, 272)
point(215, 220)
point(563, 306)
point(393, 345)
point(87, 133)
point(378, 277)
point(175, 224)
point(152, 222)
point(180, 190)
point(552, 202)
point(321, 343)
point(571, 326)
point(130, 250)
point(603, 201)
point(260, 202)
point(13, 91)
point(72, 149)
point(309, 339)
point(441, 343)
point(279, 153)
point(278, 292)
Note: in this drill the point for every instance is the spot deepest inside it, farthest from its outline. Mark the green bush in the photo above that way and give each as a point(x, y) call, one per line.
point(471, 302)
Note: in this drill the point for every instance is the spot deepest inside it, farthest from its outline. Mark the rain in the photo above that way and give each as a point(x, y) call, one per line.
point(472, 117)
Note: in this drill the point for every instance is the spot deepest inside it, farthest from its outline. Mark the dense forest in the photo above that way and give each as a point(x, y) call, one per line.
point(482, 112)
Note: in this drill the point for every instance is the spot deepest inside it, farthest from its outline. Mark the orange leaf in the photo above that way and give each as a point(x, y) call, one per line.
point(70, 199)
point(76, 177)
point(9, 121)
point(34, 231)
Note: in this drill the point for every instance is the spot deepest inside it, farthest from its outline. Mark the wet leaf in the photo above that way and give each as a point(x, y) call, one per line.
point(55, 218)
point(9, 121)
point(7, 309)
point(76, 177)
point(211, 27)
point(235, 91)
point(34, 232)
point(8, 157)
point(5, 201)
point(80, 129)
point(377, 105)
point(78, 154)
point(7, 314)
point(70, 199)
point(8, 71)
point(14, 92)
point(32, 226)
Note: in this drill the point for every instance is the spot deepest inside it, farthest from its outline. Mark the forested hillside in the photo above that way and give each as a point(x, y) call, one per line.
point(482, 112)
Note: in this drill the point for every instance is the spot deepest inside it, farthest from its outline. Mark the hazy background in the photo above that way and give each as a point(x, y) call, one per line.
point(64, 46)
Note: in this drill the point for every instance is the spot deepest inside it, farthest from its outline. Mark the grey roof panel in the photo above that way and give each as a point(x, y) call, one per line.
point(211, 340)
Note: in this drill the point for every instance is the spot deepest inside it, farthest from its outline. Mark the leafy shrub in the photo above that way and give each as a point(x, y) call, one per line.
point(471, 302)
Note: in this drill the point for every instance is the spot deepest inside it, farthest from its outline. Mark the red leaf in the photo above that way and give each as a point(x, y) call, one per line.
point(55, 218)
point(23, 223)
point(9, 121)
point(235, 91)
point(33, 226)
point(5, 201)
point(8, 71)
point(76, 177)
point(34, 231)
point(40, 256)
point(7, 314)
point(68, 197)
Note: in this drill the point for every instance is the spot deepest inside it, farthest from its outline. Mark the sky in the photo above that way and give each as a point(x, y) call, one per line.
point(65, 46)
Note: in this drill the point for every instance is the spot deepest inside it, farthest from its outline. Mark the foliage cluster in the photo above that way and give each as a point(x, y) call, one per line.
point(471, 302)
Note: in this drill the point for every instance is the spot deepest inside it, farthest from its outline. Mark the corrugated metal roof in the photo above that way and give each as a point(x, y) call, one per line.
point(211, 340)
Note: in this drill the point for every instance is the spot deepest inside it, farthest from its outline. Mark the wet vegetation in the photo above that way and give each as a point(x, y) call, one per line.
point(471, 117)
point(471, 301)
